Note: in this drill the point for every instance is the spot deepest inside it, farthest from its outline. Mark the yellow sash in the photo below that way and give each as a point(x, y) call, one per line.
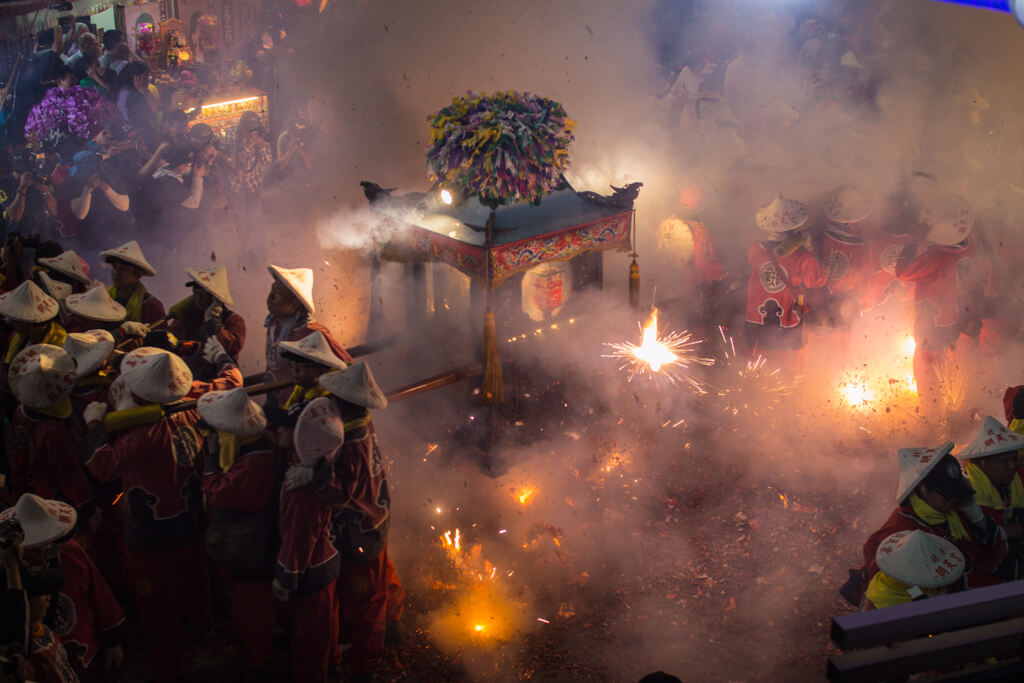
point(1017, 426)
point(884, 591)
point(55, 335)
point(61, 411)
point(133, 307)
point(987, 493)
point(298, 394)
point(229, 445)
point(179, 309)
point(930, 515)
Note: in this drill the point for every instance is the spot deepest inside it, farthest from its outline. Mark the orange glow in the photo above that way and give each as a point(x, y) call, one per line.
point(230, 102)
point(909, 345)
point(525, 494)
point(651, 350)
point(856, 394)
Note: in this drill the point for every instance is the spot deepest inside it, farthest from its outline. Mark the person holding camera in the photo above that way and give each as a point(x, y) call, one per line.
point(101, 211)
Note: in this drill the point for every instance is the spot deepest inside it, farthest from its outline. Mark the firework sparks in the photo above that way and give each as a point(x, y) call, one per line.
point(667, 354)
point(524, 494)
point(856, 393)
point(751, 384)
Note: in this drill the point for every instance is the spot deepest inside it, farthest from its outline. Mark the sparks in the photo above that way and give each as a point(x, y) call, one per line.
point(669, 354)
point(525, 494)
point(909, 345)
point(856, 393)
point(751, 384)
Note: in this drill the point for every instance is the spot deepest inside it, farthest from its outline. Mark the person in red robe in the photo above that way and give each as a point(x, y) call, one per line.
point(128, 266)
point(370, 596)
point(307, 563)
point(934, 496)
point(241, 482)
point(205, 314)
point(164, 520)
point(945, 277)
point(776, 291)
point(43, 462)
point(290, 318)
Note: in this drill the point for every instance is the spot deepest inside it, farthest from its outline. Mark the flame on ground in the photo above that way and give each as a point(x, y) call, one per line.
point(524, 494)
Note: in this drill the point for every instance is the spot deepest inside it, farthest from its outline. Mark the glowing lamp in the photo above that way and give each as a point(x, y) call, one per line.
point(446, 197)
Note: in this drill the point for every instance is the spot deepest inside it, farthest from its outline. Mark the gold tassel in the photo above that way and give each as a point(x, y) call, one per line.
point(634, 284)
point(493, 390)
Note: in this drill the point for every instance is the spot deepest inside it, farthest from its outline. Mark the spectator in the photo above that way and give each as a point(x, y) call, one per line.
point(88, 45)
point(135, 103)
point(252, 159)
point(94, 77)
point(102, 211)
point(116, 52)
point(169, 183)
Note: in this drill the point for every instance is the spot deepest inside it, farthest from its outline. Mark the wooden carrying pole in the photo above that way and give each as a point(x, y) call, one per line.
point(120, 420)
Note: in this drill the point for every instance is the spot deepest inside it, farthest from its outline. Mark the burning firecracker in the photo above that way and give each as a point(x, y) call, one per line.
point(671, 355)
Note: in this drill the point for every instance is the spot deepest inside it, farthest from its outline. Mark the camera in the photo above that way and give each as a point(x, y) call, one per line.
point(10, 533)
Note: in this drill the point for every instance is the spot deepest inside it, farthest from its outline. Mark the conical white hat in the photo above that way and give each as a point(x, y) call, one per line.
point(782, 215)
point(847, 204)
point(130, 252)
point(918, 558)
point(299, 281)
point(156, 375)
point(42, 376)
point(119, 397)
point(55, 288)
point(915, 464)
point(42, 520)
point(992, 439)
point(949, 218)
point(316, 348)
point(232, 411)
point(356, 385)
point(27, 303)
point(67, 263)
point(89, 349)
point(214, 281)
point(319, 432)
point(96, 304)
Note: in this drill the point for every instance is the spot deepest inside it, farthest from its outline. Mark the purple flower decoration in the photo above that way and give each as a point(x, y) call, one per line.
point(75, 111)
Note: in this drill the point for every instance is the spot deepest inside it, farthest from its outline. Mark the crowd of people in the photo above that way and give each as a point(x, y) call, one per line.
point(139, 472)
point(129, 162)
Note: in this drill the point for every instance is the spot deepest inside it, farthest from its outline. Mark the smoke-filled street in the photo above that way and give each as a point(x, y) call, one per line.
point(460, 341)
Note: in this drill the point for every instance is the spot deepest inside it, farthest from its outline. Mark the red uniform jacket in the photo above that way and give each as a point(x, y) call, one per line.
point(48, 661)
point(766, 285)
point(1009, 396)
point(87, 616)
point(158, 465)
point(847, 260)
point(307, 561)
point(705, 257)
point(981, 556)
point(231, 336)
point(44, 461)
point(358, 490)
point(250, 485)
point(940, 275)
point(90, 389)
point(277, 369)
point(885, 249)
point(152, 309)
